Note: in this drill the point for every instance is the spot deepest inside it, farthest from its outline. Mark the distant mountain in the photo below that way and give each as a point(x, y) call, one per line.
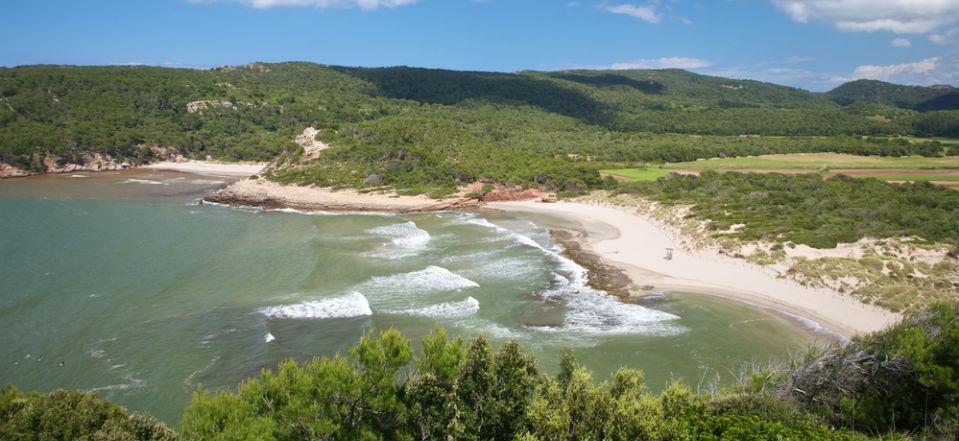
point(920, 98)
point(677, 83)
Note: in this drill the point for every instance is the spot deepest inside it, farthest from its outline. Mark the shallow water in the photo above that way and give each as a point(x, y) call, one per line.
point(123, 284)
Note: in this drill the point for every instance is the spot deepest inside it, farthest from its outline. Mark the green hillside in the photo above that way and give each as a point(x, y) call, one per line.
point(427, 130)
point(942, 97)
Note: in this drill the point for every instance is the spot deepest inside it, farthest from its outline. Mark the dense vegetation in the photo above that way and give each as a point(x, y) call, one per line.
point(430, 130)
point(919, 98)
point(73, 415)
point(906, 377)
point(805, 209)
point(901, 383)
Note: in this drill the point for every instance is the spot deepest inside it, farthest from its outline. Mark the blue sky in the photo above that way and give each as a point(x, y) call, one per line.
point(814, 44)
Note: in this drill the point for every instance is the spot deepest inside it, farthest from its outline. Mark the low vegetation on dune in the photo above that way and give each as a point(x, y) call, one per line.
point(897, 384)
point(805, 209)
point(892, 245)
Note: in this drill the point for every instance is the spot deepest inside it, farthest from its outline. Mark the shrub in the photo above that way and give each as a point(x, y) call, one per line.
point(73, 415)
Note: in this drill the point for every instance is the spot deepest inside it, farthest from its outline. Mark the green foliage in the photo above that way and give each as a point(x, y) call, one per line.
point(941, 123)
point(73, 415)
point(451, 391)
point(806, 209)
point(909, 97)
point(906, 377)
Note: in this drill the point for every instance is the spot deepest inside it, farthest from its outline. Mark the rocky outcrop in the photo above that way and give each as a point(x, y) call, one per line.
point(513, 194)
point(9, 171)
point(602, 276)
point(197, 106)
point(91, 162)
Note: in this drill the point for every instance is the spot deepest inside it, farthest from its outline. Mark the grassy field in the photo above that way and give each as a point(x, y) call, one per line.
point(637, 174)
point(913, 178)
point(948, 141)
point(817, 161)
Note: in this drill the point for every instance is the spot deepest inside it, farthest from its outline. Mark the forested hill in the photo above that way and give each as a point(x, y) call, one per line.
point(941, 97)
point(418, 127)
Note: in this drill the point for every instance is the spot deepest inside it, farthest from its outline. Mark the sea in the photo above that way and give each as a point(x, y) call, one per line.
point(127, 285)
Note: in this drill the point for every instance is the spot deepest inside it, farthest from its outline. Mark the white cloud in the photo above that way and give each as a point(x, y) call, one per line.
point(900, 42)
point(366, 5)
point(663, 63)
point(935, 70)
point(647, 13)
point(948, 37)
point(899, 16)
point(890, 71)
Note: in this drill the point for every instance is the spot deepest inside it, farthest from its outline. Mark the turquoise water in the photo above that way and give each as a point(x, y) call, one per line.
point(123, 284)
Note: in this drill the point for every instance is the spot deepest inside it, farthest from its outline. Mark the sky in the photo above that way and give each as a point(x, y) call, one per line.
point(812, 44)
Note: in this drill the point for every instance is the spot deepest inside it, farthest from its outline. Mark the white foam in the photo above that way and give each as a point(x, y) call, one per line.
point(269, 337)
point(589, 311)
point(330, 213)
point(406, 238)
point(206, 182)
point(815, 326)
point(142, 181)
point(506, 268)
point(463, 308)
point(79, 176)
point(352, 305)
point(596, 312)
point(432, 278)
point(518, 238)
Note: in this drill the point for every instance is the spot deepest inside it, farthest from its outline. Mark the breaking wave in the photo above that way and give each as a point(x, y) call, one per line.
point(406, 238)
point(352, 305)
point(463, 308)
point(206, 182)
point(142, 181)
point(432, 278)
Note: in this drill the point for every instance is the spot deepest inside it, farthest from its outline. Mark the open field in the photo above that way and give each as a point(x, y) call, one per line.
point(636, 174)
point(817, 161)
point(940, 171)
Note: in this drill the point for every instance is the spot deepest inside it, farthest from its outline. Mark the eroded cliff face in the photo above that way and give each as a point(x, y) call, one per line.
point(89, 162)
point(9, 171)
point(92, 162)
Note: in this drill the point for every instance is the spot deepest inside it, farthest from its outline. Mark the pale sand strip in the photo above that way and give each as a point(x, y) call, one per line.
point(263, 193)
point(638, 245)
point(210, 168)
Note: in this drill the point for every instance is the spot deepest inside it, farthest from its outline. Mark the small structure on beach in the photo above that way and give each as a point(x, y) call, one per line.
point(669, 254)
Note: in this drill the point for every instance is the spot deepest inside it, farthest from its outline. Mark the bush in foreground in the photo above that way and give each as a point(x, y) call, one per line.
point(73, 415)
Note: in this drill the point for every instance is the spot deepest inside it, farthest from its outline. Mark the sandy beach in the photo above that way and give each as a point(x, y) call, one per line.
point(638, 245)
point(267, 194)
point(210, 168)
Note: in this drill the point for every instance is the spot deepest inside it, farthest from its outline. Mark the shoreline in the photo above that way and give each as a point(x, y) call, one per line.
point(269, 195)
point(633, 243)
point(204, 168)
point(209, 168)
